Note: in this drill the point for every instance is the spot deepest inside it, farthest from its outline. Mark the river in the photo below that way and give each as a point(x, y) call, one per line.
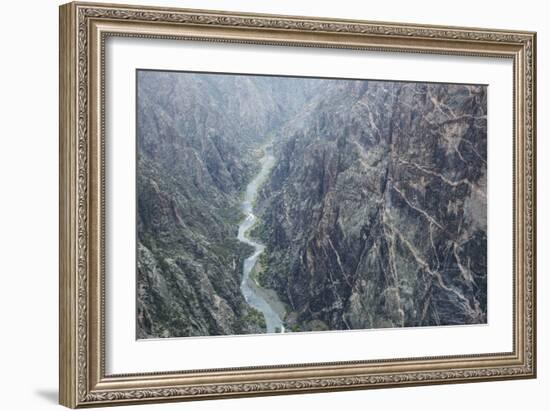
point(257, 297)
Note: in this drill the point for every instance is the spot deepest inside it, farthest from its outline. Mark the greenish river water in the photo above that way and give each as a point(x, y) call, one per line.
point(257, 297)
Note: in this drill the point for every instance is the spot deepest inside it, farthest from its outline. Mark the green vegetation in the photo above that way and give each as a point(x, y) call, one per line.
point(317, 325)
point(259, 269)
point(259, 231)
point(231, 215)
point(254, 317)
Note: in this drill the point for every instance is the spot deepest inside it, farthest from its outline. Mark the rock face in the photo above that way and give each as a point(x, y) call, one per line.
point(197, 140)
point(375, 214)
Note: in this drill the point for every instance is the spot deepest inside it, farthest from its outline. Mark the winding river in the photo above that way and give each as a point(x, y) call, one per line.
point(257, 297)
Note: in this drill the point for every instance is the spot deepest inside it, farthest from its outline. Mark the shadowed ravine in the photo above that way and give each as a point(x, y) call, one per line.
point(256, 296)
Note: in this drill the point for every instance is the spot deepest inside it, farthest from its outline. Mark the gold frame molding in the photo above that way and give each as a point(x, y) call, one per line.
point(83, 30)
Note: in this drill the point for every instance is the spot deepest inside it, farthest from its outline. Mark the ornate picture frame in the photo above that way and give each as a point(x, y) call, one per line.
point(84, 29)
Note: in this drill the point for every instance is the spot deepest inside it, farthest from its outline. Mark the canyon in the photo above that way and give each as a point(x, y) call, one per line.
point(371, 214)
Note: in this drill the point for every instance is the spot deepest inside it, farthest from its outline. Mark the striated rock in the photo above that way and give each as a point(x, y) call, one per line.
point(375, 215)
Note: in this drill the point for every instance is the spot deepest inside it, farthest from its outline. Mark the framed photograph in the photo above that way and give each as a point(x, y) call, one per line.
point(259, 204)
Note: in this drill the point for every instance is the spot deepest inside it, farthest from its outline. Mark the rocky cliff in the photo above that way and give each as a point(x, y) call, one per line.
point(197, 140)
point(375, 213)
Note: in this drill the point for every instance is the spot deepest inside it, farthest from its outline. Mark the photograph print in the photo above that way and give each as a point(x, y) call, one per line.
point(273, 204)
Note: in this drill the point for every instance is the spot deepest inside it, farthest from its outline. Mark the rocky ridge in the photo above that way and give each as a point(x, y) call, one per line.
point(197, 139)
point(375, 215)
